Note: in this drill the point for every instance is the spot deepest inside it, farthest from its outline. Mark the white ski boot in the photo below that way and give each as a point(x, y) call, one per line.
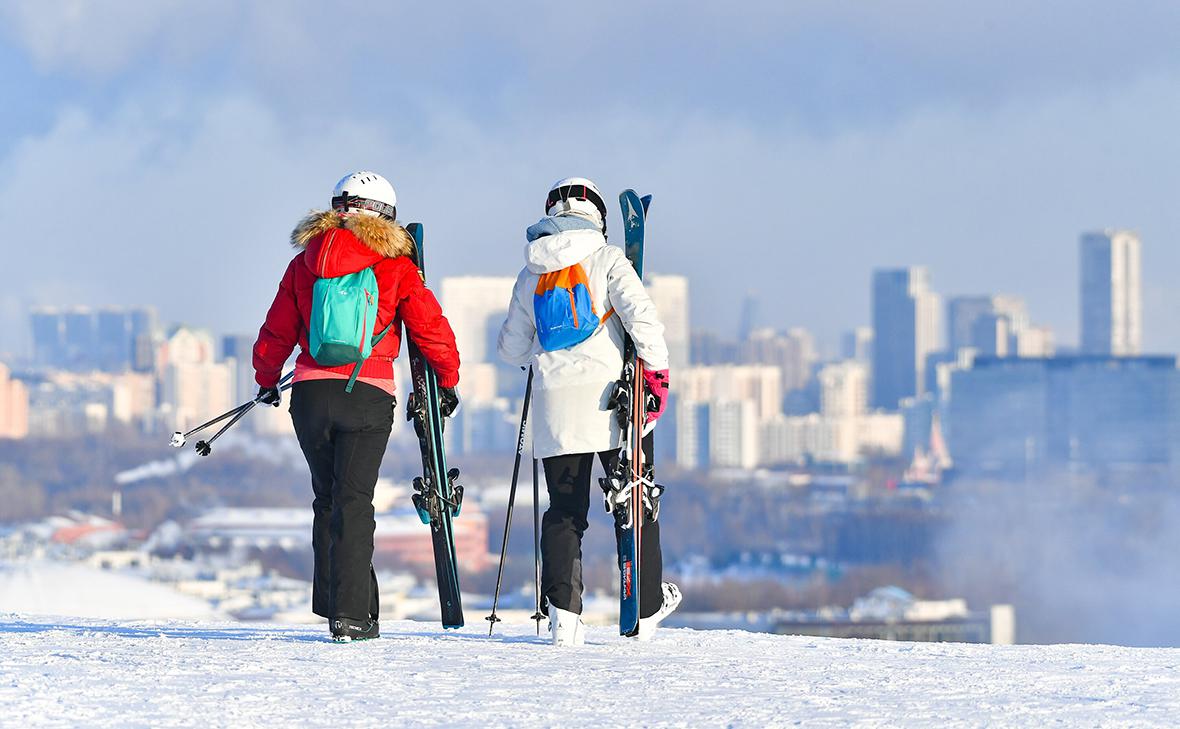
point(566, 627)
point(647, 626)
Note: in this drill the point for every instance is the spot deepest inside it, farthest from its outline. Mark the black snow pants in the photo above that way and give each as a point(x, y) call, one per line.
point(568, 479)
point(343, 436)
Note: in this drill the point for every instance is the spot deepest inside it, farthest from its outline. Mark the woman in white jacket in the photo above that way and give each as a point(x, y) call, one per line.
point(572, 419)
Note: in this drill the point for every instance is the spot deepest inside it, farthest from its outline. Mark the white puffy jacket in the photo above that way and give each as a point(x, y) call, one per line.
point(571, 387)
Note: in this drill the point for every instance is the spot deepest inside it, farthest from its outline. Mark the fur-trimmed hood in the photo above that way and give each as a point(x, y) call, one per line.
point(383, 237)
point(338, 244)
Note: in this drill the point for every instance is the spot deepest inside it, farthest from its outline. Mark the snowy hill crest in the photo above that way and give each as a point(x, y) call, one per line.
point(101, 673)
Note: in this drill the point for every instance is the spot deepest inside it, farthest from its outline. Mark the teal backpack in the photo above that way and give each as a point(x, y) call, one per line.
point(343, 314)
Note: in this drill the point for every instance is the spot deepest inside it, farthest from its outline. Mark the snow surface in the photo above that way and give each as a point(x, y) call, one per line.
point(70, 671)
point(78, 589)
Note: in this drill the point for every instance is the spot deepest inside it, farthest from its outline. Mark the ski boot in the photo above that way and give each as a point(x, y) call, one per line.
point(647, 626)
point(347, 629)
point(565, 627)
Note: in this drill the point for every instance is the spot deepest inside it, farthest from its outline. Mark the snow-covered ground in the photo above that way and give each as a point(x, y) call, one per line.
point(87, 672)
point(77, 589)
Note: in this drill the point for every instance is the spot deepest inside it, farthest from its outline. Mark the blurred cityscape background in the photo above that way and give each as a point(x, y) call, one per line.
point(951, 472)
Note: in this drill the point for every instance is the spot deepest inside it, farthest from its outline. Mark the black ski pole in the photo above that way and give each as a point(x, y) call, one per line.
point(179, 439)
point(538, 616)
point(524, 410)
point(205, 447)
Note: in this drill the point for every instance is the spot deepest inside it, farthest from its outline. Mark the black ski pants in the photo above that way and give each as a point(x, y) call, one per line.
point(343, 437)
point(568, 479)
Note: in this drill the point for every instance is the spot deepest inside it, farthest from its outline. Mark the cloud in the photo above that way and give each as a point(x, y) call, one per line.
point(789, 151)
point(100, 39)
point(824, 66)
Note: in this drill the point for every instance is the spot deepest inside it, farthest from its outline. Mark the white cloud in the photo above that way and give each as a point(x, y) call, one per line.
point(187, 201)
point(101, 38)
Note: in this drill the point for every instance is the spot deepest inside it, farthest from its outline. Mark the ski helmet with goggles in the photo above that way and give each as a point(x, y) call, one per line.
point(367, 193)
point(575, 194)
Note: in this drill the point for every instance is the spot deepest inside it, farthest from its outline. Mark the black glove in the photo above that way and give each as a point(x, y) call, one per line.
point(269, 396)
point(448, 401)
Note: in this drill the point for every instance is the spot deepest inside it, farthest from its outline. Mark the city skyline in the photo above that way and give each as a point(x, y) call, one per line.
point(831, 344)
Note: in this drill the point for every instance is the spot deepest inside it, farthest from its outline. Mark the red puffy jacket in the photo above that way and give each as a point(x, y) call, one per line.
point(335, 245)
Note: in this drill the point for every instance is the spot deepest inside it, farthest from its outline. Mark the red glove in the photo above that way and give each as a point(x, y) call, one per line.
point(656, 383)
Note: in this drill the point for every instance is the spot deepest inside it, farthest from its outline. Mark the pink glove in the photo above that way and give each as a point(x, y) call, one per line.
point(656, 383)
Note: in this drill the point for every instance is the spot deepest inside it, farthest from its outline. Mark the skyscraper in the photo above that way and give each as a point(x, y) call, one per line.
point(748, 320)
point(857, 344)
point(792, 353)
point(844, 389)
point(48, 327)
point(670, 294)
point(962, 316)
point(906, 323)
point(78, 338)
point(1111, 298)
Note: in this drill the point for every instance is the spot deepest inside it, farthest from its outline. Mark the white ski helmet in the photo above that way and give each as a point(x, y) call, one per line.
point(576, 195)
point(367, 193)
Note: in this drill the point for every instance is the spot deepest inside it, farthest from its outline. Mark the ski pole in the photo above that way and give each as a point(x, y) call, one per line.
point(205, 447)
point(524, 410)
point(538, 615)
point(179, 439)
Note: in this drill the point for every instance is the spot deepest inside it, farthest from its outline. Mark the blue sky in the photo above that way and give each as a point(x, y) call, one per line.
point(161, 152)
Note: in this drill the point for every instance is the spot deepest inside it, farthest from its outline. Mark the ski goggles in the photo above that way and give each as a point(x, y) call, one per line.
point(577, 192)
point(348, 203)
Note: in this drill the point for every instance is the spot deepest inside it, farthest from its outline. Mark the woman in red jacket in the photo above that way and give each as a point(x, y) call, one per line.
point(343, 435)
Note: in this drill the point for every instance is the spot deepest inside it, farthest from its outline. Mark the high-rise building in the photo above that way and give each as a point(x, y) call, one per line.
point(1016, 414)
point(48, 327)
point(1111, 297)
point(906, 324)
point(14, 406)
point(733, 431)
point(194, 385)
point(994, 326)
point(1034, 342)
point(81, 339)
point(962, 316)
point(707, 348)
point(113, 348)
point(692, 434)
point(844, 389)
point(670, 295)
point(792, 353)
point(857, 344)
point(476, 307)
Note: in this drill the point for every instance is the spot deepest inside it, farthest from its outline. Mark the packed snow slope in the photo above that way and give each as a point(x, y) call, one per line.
point(86, 672)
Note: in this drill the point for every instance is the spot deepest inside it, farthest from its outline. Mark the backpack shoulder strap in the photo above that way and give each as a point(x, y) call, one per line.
point(356, 371)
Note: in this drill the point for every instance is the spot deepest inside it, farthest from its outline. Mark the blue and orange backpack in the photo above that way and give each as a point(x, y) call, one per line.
point(564, 310)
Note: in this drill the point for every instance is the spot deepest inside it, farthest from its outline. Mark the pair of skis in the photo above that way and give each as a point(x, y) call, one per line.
point(437, 495)
point(630, 493)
